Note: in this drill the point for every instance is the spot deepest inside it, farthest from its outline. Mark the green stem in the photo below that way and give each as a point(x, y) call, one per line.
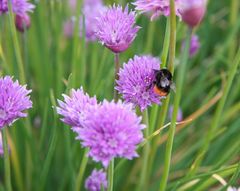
point(52, 147)
point(100, 69)
point(115, 97)
point(117, 66)
point(75, 45)
point(110, 175)
point(233, 19)
point(217, 117)
point(164, 108)
point(6, 160)
point(16, 44)
point(166, 44)
point(16, 163)
point(94, 65)
point(143, 178)
point(84, 54)
point(164, 55)
point(149, 43)
point(82, 170)
point(177, 98)
point(172, 45)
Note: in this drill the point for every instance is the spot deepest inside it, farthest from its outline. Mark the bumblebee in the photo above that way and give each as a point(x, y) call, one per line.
point(163, 82)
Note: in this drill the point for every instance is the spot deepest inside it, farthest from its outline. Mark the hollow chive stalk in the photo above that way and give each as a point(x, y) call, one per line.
point(177, 98)
point(115, 97)
point(146, 151)
point(6, 161)
point(82, 170)
point(117, 66)
point(16, 44)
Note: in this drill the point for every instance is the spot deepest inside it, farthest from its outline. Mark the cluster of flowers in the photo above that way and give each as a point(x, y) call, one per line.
point(20, 8)
point(108, 129)
point(101, 23)
point(111, 129)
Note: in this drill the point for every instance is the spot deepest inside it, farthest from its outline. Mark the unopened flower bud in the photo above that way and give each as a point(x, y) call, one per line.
point(193, 11)
point(22, 22)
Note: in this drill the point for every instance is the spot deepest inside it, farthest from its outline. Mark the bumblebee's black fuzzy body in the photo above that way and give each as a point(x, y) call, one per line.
point(162, 82)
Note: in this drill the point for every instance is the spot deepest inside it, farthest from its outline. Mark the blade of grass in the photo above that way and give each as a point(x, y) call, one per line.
point(217, 117)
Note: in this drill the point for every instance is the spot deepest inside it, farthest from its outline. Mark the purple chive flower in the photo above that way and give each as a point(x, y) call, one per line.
point(136, 79)
point(193, 11)
point(157, 7)
point(179, 115)
point(194, 45)
point(19, 7)
point(112, 130)
point(96, 180)
point(74, 107)
point(14, 100)
point(116, 28)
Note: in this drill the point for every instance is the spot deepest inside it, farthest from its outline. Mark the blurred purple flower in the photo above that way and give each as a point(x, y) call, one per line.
point(91, 10)
point(193, 11)
point(179, 115)
point(136, 79)
point(19, 7)
point(233, 189)
point(14, 100)
point(194, 45)
point(157, 7)
point(97, 179)
point(72, 4)
point(68, 27)
point(112, 130)
point(74, 107)
point(116, 28)
point(22, 22)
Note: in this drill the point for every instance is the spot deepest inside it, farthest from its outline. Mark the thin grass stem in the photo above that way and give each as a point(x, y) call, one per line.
point(16, 44)
point(6, 161)
point(146, 150)
point(82, 170)
point(117, 66)
point(110, 175)
point(217, 116)
point(177, 98)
